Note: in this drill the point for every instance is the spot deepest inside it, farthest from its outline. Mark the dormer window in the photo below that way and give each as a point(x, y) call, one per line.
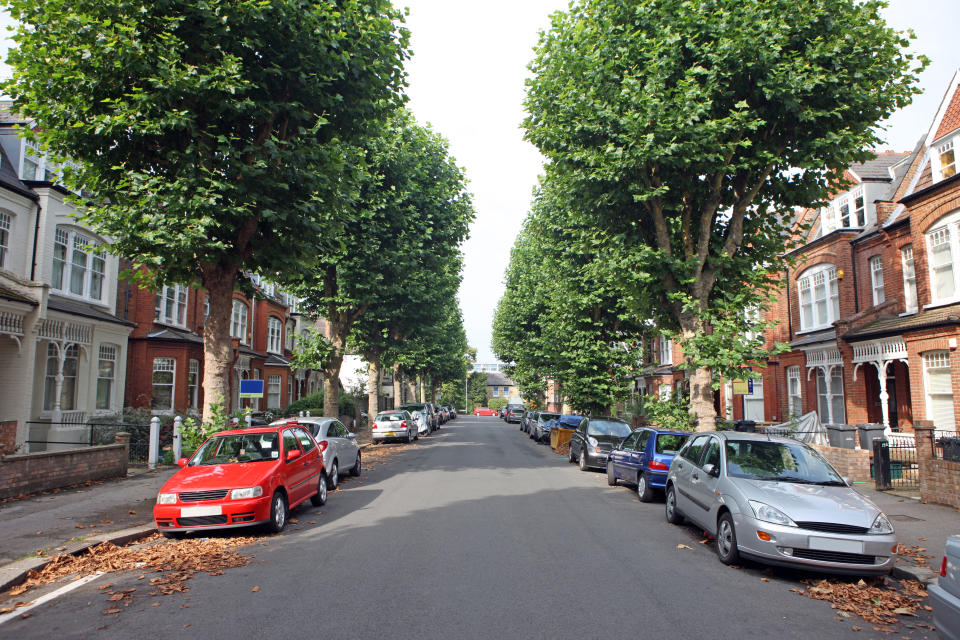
point(846, 211)
point(948, 160)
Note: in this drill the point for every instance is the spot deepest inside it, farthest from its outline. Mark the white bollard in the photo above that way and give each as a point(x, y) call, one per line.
point(308, 414)
point(154, 442)
point(301, 414)
point(249, 419)
point(177, 444)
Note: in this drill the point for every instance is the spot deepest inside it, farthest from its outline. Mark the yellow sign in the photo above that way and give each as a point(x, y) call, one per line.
point(740, 388)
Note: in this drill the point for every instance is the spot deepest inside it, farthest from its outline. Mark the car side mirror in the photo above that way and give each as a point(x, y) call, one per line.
point(293, 455)
point(712, 470)
point(351, 435)
point(182, 462)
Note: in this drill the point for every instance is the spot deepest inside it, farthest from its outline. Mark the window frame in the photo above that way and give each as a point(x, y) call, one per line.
point(938, 359)
point(193, 384)
point(92, 271)
point(274, 335)
point(6, 231)
point(107, 353)
point(807, 282)
point(178, 301)
point(949, 225)
point(876, 279)
point(274, 378)
point(794, 400)
point(666, 350)
point(164, 361)
point(947, 170)
point(909, 270)
point(71, 353)
point(238, 324)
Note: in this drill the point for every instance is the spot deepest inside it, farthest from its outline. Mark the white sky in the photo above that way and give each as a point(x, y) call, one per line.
point(467, 80)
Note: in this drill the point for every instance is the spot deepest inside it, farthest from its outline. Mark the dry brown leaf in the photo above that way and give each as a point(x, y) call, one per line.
point(155, 604)
point(683, 546)
point(26, 615)
point(132, 512)
point(764, 579)
point(855, 628)
point(112, 611)
point(6, 610)
point(255, 589)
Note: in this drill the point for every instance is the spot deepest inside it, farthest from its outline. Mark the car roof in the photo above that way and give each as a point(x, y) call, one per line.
point(304, 419)
point(665, 431)
point(608, 419)
point(747, 435)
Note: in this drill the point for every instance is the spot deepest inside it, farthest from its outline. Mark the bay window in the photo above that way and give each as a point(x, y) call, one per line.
point(830, 405)
point(68, 389)
point(79, 265)
point(238, 321)
point(819, 297)
point(939, 387)
point(273, 334)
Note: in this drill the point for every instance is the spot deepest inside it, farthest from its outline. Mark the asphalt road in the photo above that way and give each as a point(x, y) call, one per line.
point(474, 532)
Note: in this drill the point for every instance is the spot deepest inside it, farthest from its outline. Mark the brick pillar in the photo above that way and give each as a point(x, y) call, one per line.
point(924, 435)
point(122, 437)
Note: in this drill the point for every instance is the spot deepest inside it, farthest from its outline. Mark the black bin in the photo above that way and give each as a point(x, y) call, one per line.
point(951, 449)
point(748, 426)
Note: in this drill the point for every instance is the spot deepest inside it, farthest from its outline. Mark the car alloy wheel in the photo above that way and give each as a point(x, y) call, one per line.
point(611, 476)
point(334, 476)
point(583, 460)
point(278, 512)
point(644, 491)
point(320, 498)
point(727, 540)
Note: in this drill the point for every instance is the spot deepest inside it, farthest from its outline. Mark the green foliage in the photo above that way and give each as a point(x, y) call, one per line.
point(497, 403)
point(347, 405)
point(312, 403)
point(477, 387)
point(452, 393)
point(194, 431)
point(311, 351)
point(672, 413)
point(681, 136)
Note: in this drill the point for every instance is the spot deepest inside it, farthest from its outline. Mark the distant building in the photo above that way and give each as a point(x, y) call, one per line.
point(500, 386)
point(488, 367)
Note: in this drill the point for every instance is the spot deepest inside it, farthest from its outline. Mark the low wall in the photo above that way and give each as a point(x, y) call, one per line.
point(940, 481)
point(33, 472)
point(8, 437)
point(851, 463)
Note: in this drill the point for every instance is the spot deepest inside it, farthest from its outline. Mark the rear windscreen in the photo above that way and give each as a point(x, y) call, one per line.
point(670, 443)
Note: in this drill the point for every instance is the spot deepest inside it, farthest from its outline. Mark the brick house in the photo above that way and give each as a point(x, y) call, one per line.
point(872, 309)
point(63, 348)
point(166, 347)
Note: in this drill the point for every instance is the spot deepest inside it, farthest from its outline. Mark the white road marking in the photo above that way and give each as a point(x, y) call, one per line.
point(50, 596)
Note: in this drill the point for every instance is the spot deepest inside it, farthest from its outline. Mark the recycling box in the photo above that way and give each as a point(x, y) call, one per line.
point(560, 437)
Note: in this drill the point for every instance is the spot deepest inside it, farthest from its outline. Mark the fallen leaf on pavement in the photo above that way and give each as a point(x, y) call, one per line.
point(764, 579)
point(855, 628)
point(132, 512)
point(683, 546)
point(112, 611)
point(255, 589)
point(25, 615)
point(6, 610)
point(155, 604)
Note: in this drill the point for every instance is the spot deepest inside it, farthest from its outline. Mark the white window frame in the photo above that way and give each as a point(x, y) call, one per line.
point(108, 354)
point(665, 391)
point(794, 392)
point(193, 384)
point(945, 169)
point(818, 278)
point(666, 350)
point(274, 334)
point(163, 364)
point(947, 227)
point(908, 268)
point(876, 279)
point(68, 389)
point(274, 383)
point(291, 334)
point(238, 320)
point(496, 392)
point(92, 271)
point(29, 149)
point(6, 222)
point(939, 360)
point(171, 305)
point(846, 211)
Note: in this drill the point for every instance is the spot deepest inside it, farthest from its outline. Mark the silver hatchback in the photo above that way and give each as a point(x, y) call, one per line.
point(777, 501)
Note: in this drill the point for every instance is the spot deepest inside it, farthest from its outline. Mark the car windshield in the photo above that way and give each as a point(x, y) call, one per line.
point(608, 428)
point(389, 417)
point(233, 449)
point(778, 461)
point(670, 443)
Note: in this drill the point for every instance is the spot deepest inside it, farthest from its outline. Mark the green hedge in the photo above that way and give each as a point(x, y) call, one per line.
point(497, 403)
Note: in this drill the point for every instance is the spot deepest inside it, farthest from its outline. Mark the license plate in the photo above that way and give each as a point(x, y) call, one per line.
point(391, 433)
point(834, 544)
point(186, 512)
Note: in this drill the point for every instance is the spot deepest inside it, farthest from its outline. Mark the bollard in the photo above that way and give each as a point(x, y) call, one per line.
point(154, 442)
point(177, 444)
point(308, 413)
point(301, 414)
point(249, 419)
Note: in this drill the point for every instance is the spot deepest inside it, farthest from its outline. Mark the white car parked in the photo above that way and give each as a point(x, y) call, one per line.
point(339, 446)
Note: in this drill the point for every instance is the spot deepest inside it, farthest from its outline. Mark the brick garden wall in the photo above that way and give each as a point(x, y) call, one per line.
point(8, 437)
point(851, 463)
point(940, 481)
point(33, 472)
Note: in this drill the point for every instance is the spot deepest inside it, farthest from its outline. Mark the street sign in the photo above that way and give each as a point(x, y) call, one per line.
point(251, 388)
point(743, 387)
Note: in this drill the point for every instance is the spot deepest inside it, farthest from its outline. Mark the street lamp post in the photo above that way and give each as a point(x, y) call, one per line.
point(466, 397)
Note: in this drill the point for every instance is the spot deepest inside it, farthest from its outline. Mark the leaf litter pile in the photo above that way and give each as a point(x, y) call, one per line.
point(377, 454)
point(175, 562)
point(878, 603)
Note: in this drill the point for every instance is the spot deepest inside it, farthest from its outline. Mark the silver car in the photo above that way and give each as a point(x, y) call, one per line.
point(945, 595)
point(777, 501)
point(339, 446)
point(395, 425)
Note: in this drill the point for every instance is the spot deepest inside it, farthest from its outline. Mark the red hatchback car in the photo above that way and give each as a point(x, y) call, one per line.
point(243, 477)
point(483, 411)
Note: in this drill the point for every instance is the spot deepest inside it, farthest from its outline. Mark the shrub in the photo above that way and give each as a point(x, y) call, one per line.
point(673, 413)
point(497, 403)
point(312, 403)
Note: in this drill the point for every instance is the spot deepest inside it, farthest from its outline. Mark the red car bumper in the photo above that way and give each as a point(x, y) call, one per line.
point(218, 514)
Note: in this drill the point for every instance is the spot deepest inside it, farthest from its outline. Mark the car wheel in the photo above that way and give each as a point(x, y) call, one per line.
point(333, 478)
point(727, 540)
point(406, 438)
point(572, 457)
point(278, 512)
point(416, 436)
point(321, 498)
point(583, 460)
point(172, 535)
point(673, 514)
point(611, 476)
point(357, 468)
point(644, 490)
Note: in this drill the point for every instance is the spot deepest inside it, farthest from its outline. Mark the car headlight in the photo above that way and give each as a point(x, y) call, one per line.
point(248, 492)
point(592, 441)
point(166, 498)
point(881, 525)
point(767, 513)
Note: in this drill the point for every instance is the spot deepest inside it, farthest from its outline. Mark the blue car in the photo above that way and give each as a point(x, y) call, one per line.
point(643, 459)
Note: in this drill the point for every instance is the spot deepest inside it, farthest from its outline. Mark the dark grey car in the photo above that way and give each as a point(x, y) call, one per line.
point(595, 438)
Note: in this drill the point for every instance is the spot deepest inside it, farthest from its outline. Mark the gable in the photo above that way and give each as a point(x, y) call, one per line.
point(951, 116)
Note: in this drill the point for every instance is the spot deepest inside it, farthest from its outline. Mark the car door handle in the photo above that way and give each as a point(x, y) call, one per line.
point(695, 476)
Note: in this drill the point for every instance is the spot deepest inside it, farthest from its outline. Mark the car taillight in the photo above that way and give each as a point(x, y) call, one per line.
point(403, 425)
point(656, 464)
point(943, 567)
point(323, 445)
point(376, 426)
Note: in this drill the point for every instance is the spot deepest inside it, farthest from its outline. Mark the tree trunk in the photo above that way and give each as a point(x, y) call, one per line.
point(217, 346)
point(411, 390)
point(423, 390)
point(373, 397)
point(701, 383)
point(397, 387)
point(331, 385)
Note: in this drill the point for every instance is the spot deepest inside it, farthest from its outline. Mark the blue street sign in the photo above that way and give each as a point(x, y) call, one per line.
point(251, 388)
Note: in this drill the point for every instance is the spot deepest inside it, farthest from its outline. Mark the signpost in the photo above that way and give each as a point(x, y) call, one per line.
point(251, 388)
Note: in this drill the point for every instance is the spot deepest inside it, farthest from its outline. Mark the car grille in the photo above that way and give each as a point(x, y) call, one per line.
point(832, 527)
point(200, 496)
point(834, 556)
point(201, 520)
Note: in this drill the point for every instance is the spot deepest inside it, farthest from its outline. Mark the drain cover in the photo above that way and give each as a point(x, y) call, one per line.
point(903, 518)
